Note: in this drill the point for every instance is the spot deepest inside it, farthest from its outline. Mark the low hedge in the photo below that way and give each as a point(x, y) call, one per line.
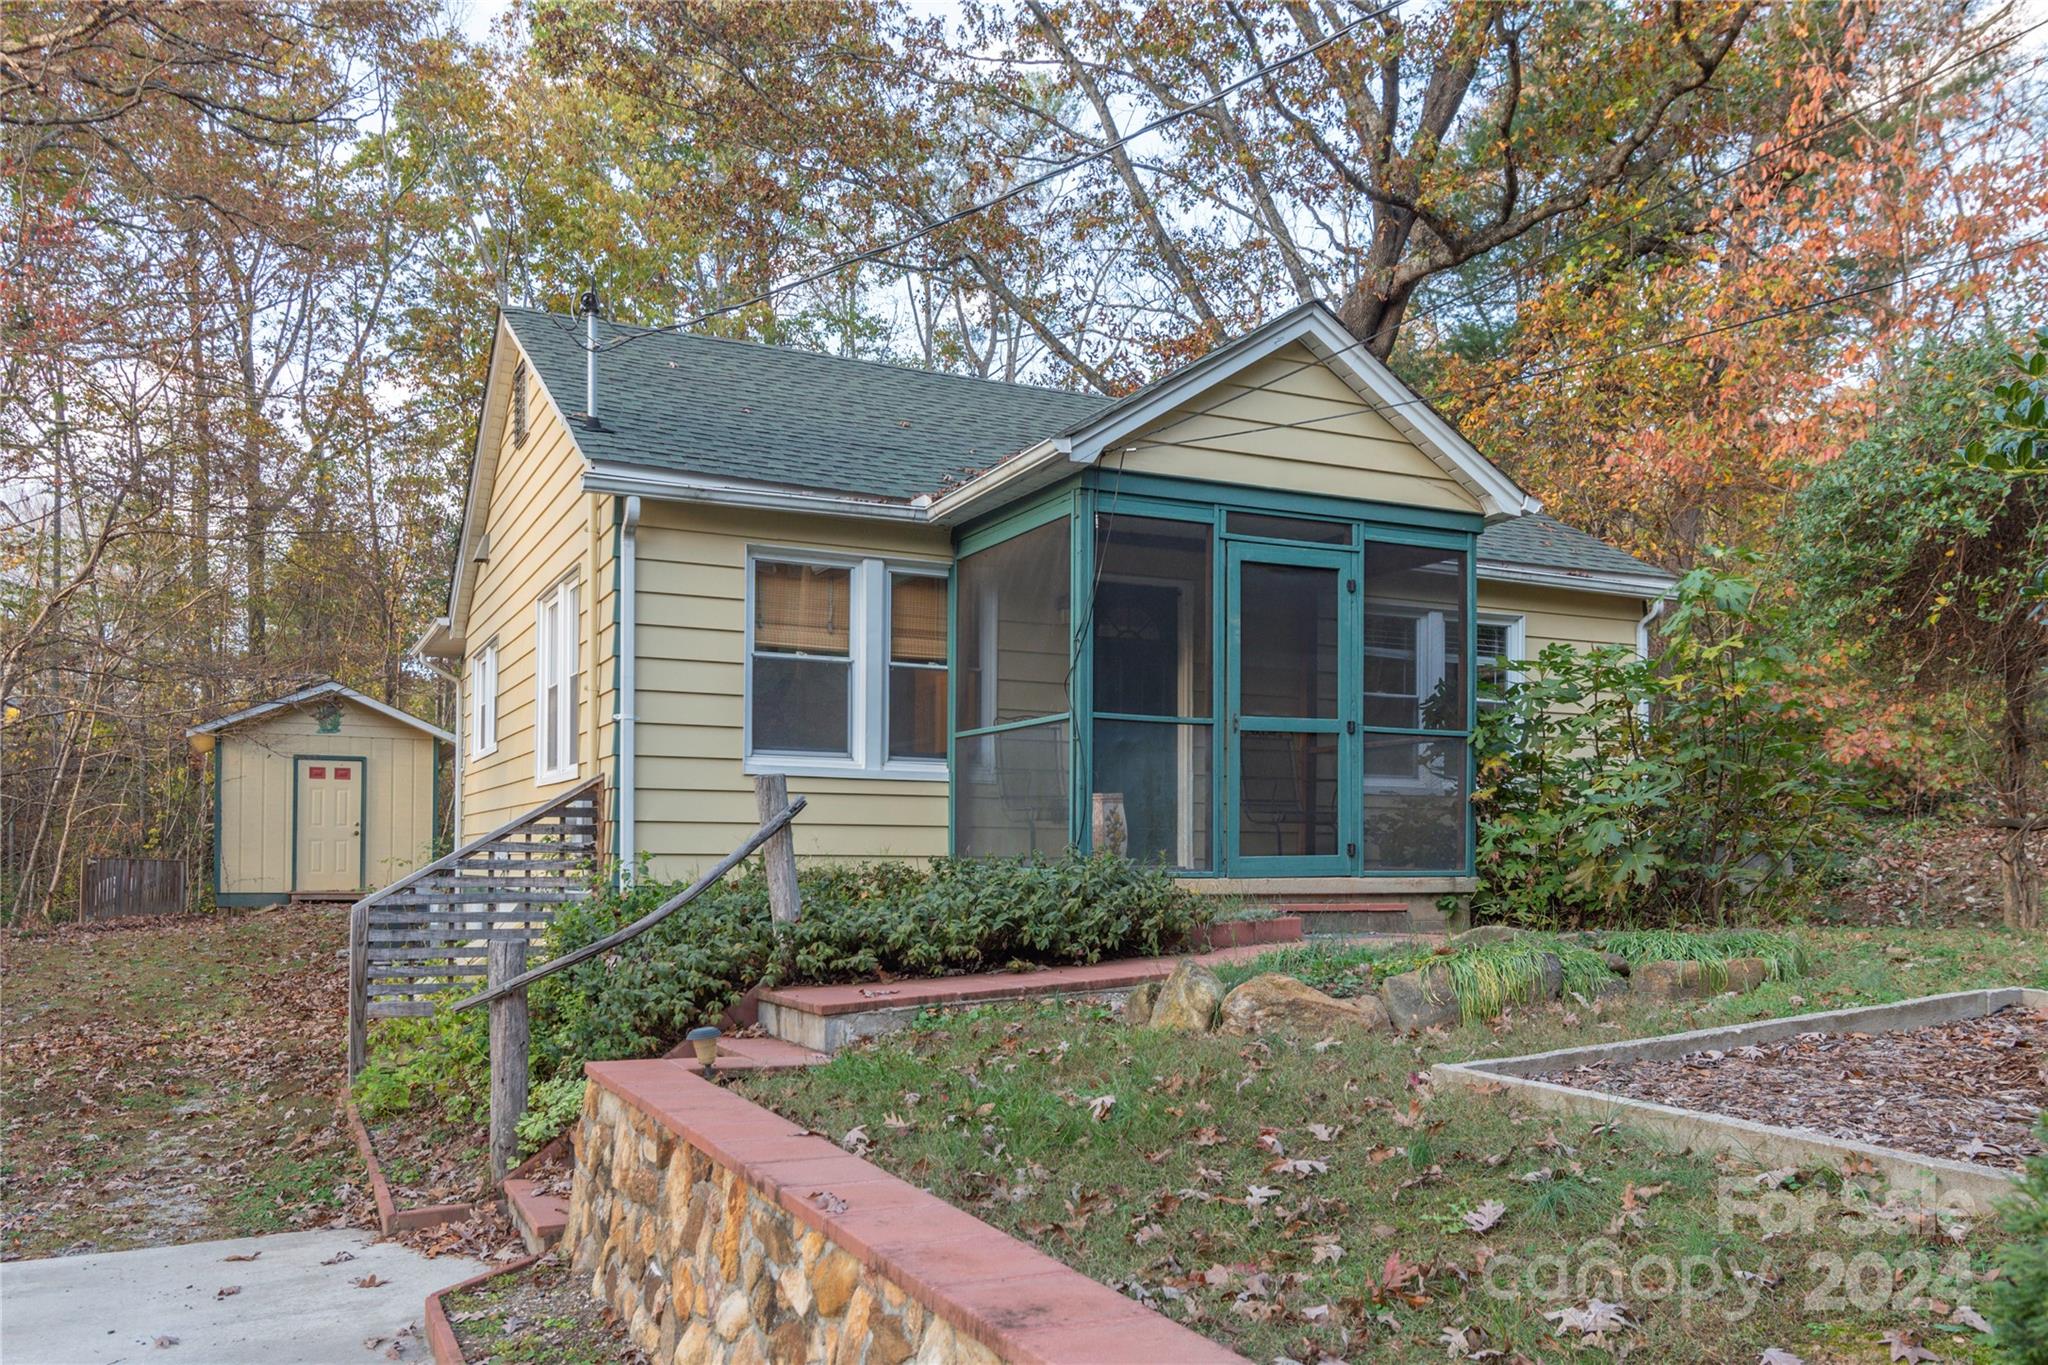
point(859, 923)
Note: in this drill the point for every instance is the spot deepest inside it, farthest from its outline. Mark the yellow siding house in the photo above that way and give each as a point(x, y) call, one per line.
point(319, 795)
point(1234, 622)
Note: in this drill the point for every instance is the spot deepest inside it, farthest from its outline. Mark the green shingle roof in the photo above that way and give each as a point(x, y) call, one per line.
point(734, 409)
point(715, 408)
point(1542, 541)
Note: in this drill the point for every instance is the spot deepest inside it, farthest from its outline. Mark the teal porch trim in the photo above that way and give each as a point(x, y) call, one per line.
point(1051, 505)
point(1087, 496)
point(1237, 497)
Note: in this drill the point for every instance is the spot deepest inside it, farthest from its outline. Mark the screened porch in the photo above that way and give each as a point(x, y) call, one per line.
point(1228, 682)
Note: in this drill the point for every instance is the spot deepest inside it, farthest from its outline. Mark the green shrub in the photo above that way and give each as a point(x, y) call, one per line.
point(858, 924)
point(2018, 1298)
point(551, 1106)
point(1706, 813)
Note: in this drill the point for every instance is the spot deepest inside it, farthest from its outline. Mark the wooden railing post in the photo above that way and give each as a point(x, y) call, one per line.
point(358, 988)
point(506, 958)
point(771, 795)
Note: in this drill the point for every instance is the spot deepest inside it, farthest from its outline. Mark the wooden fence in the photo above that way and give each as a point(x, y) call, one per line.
point(117, 888)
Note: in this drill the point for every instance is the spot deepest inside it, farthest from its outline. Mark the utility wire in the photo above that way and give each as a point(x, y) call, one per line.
point(1021, 187)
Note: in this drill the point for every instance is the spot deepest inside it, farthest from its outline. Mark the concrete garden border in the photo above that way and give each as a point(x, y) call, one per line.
point(1930, 1178)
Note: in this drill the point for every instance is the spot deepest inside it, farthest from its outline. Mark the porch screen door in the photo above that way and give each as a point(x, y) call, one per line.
point(1293, 677)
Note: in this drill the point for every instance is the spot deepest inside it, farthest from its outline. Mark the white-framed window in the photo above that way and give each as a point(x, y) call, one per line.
point(845, 665)
point(555, 682)
point(1500, 645)
point(483, 701)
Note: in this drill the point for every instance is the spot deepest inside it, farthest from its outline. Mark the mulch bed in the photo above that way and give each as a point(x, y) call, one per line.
point(1968, 1090)
point(543, 1313)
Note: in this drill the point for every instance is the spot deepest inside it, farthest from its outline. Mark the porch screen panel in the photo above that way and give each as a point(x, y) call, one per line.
point(1417, 708)
point(1011, 791)
point(1013, 637)
point(1153, 690)
point(1012, 746)
point(1416, 822)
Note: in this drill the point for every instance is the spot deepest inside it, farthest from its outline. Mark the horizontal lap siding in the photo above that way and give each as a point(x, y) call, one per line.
point(541, 527)
point(1289, 423)
point(258, 762)
point(1550, 616)
point(696, 802)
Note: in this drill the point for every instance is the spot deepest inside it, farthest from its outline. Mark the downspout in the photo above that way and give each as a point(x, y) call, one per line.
point(455, 779)
point(1643, 646)
point(629, 617)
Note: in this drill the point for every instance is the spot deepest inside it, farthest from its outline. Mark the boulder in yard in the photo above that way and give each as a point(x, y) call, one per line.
point(1616, 963)
point(1138, 1004)
point(1485, 933)
point(1747, 973)
point(1671, 980)
point(1272, 1002)
point(1188, 999)
point(1552, 987)
point(1421, 999)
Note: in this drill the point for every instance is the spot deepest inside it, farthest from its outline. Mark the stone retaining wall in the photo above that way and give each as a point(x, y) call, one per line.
point(720, 1232)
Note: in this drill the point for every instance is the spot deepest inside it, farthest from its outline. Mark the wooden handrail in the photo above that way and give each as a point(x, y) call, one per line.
point(646, 921)
point(447, 861)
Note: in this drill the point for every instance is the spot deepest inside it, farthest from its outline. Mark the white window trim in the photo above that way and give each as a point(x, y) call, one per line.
point(483, 702)
point(867, 671)
point(544, 665)
point(1518, 649)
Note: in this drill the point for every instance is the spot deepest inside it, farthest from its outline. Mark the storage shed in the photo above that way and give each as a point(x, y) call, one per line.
point(323, 794)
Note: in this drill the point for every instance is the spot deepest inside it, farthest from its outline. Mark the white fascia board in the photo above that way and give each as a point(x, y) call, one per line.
point(506, 353)
point(1646, 585)
point(1025, 472)
point(639, 481)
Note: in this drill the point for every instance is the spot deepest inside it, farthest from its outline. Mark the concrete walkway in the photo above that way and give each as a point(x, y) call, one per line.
point(290, 1303)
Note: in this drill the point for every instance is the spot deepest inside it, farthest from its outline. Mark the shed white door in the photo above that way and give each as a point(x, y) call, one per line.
point(329, 828)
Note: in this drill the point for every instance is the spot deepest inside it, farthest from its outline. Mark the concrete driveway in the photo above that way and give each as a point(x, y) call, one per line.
point(297, 1301)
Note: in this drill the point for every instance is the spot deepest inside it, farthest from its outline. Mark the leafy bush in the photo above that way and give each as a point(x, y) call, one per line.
point(550, 1107)
point(1589, 814)
point(859, 923)
point(2018, 1298)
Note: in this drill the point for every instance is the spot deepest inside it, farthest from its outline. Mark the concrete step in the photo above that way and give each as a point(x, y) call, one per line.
point(539, 1216)
point(1345, 916)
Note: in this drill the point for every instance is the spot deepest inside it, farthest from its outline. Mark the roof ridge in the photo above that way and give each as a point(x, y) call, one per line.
point(640, 330)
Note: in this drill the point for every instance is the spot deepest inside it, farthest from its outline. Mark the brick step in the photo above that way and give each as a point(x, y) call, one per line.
point(539, 1217)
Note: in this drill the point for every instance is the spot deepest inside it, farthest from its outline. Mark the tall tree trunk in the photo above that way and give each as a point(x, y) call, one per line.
point(2019, 878)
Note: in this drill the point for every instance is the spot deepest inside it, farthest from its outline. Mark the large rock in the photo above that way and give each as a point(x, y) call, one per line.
point(1188, 999)
point(1747, 973)
point(1275, 1002)
point(1421, 999)
point(1485, 933)
point(1138, 1004)
point(1671, 980)
point(1552, 987)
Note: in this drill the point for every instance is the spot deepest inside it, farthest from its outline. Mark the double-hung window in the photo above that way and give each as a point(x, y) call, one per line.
point(483, 701)
point(1500, 644)
point(846, 665)
point(555, 676)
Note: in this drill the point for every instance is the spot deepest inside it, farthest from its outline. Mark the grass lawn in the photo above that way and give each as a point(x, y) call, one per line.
point(1304, 1202)
point(172, 1082)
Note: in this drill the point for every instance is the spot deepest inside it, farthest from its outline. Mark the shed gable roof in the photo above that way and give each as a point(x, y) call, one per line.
point(294, 700)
